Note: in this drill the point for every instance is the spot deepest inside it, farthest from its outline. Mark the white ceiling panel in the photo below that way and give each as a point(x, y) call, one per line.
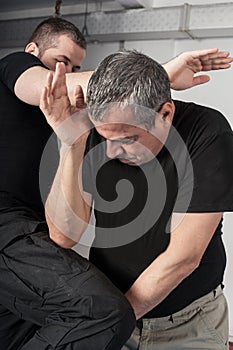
point(109, 21)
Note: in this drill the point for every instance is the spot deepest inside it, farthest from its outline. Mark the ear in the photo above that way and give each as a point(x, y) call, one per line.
point(167, 111)
point(32, 48)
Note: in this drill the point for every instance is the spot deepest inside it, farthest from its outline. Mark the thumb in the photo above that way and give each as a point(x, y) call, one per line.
point(201, 79)
point(79, 98)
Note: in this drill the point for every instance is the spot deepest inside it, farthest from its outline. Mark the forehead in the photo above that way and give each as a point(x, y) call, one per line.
point(68, 48)
point(118, 123)
point(118, 130)
point(114, 114)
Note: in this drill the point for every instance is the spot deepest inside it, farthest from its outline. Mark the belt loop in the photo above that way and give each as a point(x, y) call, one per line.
point(139, 324)
point(171, 319)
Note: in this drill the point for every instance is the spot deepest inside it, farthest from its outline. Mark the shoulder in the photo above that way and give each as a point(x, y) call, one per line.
point(14, 64)
point(19, 60)
point(18, 57)
point(194, 119)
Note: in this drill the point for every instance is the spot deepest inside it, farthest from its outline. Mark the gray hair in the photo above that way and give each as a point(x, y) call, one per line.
point(129, 78)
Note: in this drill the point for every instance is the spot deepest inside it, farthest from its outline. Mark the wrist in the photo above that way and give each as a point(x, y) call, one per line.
point(73, 130)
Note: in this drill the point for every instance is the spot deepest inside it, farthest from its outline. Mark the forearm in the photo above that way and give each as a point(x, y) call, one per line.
point(29, 85)
point(157, 281)
point(67, 211)
point(74, 79)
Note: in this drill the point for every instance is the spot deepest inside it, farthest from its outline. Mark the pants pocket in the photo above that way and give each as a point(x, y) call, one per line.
point(214, 318)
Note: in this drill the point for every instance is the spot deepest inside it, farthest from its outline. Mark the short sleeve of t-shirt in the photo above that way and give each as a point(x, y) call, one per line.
point(13, 65)
point(208, 184)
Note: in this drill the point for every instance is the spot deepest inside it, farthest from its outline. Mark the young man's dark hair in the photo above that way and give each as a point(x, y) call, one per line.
point(47, 32)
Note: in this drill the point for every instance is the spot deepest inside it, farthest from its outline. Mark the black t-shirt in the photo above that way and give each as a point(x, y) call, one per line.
point(133, 205)
point(23, 135)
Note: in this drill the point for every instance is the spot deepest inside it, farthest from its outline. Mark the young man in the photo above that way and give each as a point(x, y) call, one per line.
point(159, 174)
point(51, 297)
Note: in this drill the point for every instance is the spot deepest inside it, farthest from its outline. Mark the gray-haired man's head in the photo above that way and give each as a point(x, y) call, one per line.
point(128, 78)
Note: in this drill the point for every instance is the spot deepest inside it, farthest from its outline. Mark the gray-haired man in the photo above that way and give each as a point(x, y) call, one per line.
point(159, 174)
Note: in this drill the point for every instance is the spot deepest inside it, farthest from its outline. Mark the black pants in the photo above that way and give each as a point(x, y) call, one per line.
point(52, 298)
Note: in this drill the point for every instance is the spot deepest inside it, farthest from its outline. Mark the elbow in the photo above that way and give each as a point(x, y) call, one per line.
point(182, 262)
point(188, 265)
point(61, 236)
point(194, 260)
point(182, 265)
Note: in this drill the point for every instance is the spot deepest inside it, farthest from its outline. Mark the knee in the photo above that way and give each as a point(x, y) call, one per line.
point(128, 321)
point(125, 316)
point(115, 308)
point(125, 308)
point(123, 328)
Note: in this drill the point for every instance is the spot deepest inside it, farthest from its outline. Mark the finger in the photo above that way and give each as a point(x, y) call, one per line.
point(59, 88)
point(201, 53)
point(45, 98)
point(49, 81)
point(215, 66)
point(220, 54)
point(44, 106)
point(216, 60)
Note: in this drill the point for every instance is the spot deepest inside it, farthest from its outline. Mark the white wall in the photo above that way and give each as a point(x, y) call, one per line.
point(218, 93)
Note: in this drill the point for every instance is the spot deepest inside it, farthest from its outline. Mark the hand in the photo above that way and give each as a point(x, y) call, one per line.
point(68, 122)
point(182, 69)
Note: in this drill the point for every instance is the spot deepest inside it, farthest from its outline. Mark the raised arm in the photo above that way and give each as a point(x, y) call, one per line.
point(67, 206)
point(182, 70)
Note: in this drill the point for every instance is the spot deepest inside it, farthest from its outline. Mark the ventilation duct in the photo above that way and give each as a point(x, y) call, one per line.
point(172, 22)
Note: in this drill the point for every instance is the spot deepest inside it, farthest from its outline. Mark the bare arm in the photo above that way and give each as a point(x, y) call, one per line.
point(181, 70)
point(30, 84)
point(67, 206)
point(188, 243)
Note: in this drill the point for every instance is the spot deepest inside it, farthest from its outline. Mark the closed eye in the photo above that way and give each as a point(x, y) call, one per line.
point(126, 140)
point(62, 61)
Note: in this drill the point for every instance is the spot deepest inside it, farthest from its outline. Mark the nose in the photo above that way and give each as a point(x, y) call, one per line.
point(114, 149)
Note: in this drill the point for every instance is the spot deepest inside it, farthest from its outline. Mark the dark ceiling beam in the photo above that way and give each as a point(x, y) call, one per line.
point(130, 4)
